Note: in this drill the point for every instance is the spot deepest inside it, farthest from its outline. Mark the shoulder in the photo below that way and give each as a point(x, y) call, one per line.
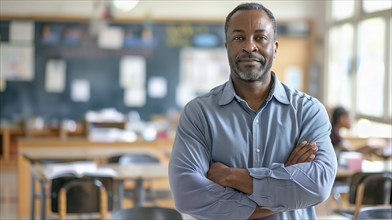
point(298, 98)
point(208, 100)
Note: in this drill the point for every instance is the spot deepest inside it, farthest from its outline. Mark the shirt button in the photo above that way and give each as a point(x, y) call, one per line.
point(258, 150)
point(257, 121)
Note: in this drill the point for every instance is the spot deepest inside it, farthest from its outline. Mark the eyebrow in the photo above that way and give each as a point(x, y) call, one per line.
point(242, 31)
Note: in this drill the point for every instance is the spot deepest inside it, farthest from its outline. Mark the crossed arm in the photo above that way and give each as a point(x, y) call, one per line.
point(241, 180)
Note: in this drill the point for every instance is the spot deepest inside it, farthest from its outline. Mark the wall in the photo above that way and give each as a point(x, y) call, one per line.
point(167, 10)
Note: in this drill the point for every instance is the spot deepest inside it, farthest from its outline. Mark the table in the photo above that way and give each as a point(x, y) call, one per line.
point(32, 150)
point(137, 172)
point(367, 166)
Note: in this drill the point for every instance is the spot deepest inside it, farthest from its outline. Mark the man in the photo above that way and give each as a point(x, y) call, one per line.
point(252, 147)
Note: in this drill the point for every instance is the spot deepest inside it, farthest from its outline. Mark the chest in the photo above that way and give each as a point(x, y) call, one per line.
point(253, 140)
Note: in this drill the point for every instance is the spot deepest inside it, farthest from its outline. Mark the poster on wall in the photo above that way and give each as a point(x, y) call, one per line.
point(55, 75)
point(132, 71)
point(201, 70)
point(80, 90)
point(135, 97)
point(22, 31)
point(110, 38)
point(17, 62)
point(157, 87)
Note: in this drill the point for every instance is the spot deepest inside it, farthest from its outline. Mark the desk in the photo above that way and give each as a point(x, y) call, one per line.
point(73, 148)
point(367, 166)
point(137, 172)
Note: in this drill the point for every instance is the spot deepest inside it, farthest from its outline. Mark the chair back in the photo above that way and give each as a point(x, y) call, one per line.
point(82, 194)
point(133, 158)
point(374, 190)
point(355, 180)
point(147, 213)
point(377, 189)
point(375, 213)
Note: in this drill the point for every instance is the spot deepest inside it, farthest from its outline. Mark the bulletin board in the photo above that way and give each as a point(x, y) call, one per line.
point(98, 66)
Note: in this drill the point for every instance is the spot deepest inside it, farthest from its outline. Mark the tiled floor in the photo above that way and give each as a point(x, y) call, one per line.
point(8, 199)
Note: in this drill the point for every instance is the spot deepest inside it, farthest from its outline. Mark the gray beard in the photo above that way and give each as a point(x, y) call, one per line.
point(249, 76)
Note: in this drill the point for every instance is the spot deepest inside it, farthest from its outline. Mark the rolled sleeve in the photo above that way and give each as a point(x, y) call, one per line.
point(287, 188)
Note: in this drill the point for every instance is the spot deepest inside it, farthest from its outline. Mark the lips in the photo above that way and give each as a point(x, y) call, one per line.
point(249, 58)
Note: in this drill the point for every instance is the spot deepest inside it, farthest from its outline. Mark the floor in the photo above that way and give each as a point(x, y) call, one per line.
point(8, 199)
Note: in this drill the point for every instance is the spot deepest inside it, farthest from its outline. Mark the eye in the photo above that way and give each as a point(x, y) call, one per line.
point(261, 38)
point(238, 38)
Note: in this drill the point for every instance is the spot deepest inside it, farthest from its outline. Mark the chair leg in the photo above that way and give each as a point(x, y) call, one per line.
point(358, 200)
point(62, 204)
point(103, 203)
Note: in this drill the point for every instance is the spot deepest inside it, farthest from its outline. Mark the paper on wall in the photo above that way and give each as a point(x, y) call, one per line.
point(293, 77)
point(16, 62)
point(22, 31)
point(132, 71)
point(111, 38)
point(80, 90)
point(135, 96)
point(157, 87)
point(55, 75)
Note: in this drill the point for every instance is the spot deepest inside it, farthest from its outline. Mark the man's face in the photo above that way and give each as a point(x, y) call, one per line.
point(251, 45)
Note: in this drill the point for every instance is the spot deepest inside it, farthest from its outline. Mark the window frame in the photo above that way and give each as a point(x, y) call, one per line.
point(355, 20)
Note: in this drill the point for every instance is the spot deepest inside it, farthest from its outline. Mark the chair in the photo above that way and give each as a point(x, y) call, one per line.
point(374, 190)
point(354, 182)
point(375, 213)
point(36, 195)
point(140, 158)
point(133, 158)
point(81, 195)
point(147, 213)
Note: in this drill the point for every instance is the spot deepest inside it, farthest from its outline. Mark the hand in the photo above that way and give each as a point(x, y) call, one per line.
point(304, 152)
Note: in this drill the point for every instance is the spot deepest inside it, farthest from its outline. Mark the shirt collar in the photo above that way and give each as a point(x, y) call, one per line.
point(278, 91)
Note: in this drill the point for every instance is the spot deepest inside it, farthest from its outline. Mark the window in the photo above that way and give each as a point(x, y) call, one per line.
point(359, 61)
point(371, 67)
point(342, 9)
point(376, 5)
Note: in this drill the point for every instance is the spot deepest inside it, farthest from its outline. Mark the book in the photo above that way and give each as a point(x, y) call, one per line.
point(77, 169)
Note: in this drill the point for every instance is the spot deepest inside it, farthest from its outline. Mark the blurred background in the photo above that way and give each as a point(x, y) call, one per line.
point(110, 71)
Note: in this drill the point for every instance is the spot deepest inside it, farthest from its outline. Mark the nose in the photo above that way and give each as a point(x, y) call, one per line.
point(250, 47)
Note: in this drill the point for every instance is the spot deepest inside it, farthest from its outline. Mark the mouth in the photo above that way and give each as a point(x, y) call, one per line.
point(249, 59)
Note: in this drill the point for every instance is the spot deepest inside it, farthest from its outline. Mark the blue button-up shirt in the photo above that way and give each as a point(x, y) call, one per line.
point(221, 127)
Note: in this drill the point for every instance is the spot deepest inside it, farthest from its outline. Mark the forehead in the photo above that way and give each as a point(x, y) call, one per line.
point(250, 19)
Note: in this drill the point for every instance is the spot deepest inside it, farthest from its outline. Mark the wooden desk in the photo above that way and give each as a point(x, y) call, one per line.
point(82, 148)
point(8, 139)
point(137, 172)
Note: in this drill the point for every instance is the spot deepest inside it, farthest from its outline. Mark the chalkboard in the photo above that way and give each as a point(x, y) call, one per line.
point(84, 59)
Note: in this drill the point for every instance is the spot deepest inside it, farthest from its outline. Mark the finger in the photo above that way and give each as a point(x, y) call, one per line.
point(294, 152)
point(305, 153)
point(302, 152)
point(299, 147)
point(309, 154)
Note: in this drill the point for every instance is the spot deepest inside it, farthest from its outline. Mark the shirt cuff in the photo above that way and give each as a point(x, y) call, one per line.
point(277, 171)
point(261, 195)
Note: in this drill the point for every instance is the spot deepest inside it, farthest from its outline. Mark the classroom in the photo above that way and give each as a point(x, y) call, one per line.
point(135, 109)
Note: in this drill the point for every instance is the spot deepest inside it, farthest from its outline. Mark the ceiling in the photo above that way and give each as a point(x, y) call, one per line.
point(167, 9)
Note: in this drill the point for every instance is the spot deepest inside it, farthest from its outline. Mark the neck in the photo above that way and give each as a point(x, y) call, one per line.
point(255, 92)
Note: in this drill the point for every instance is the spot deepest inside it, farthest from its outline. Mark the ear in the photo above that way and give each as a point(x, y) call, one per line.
point(276, 45)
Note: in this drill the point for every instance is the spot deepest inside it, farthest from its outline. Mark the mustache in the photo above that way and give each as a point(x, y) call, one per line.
point(250, 56)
